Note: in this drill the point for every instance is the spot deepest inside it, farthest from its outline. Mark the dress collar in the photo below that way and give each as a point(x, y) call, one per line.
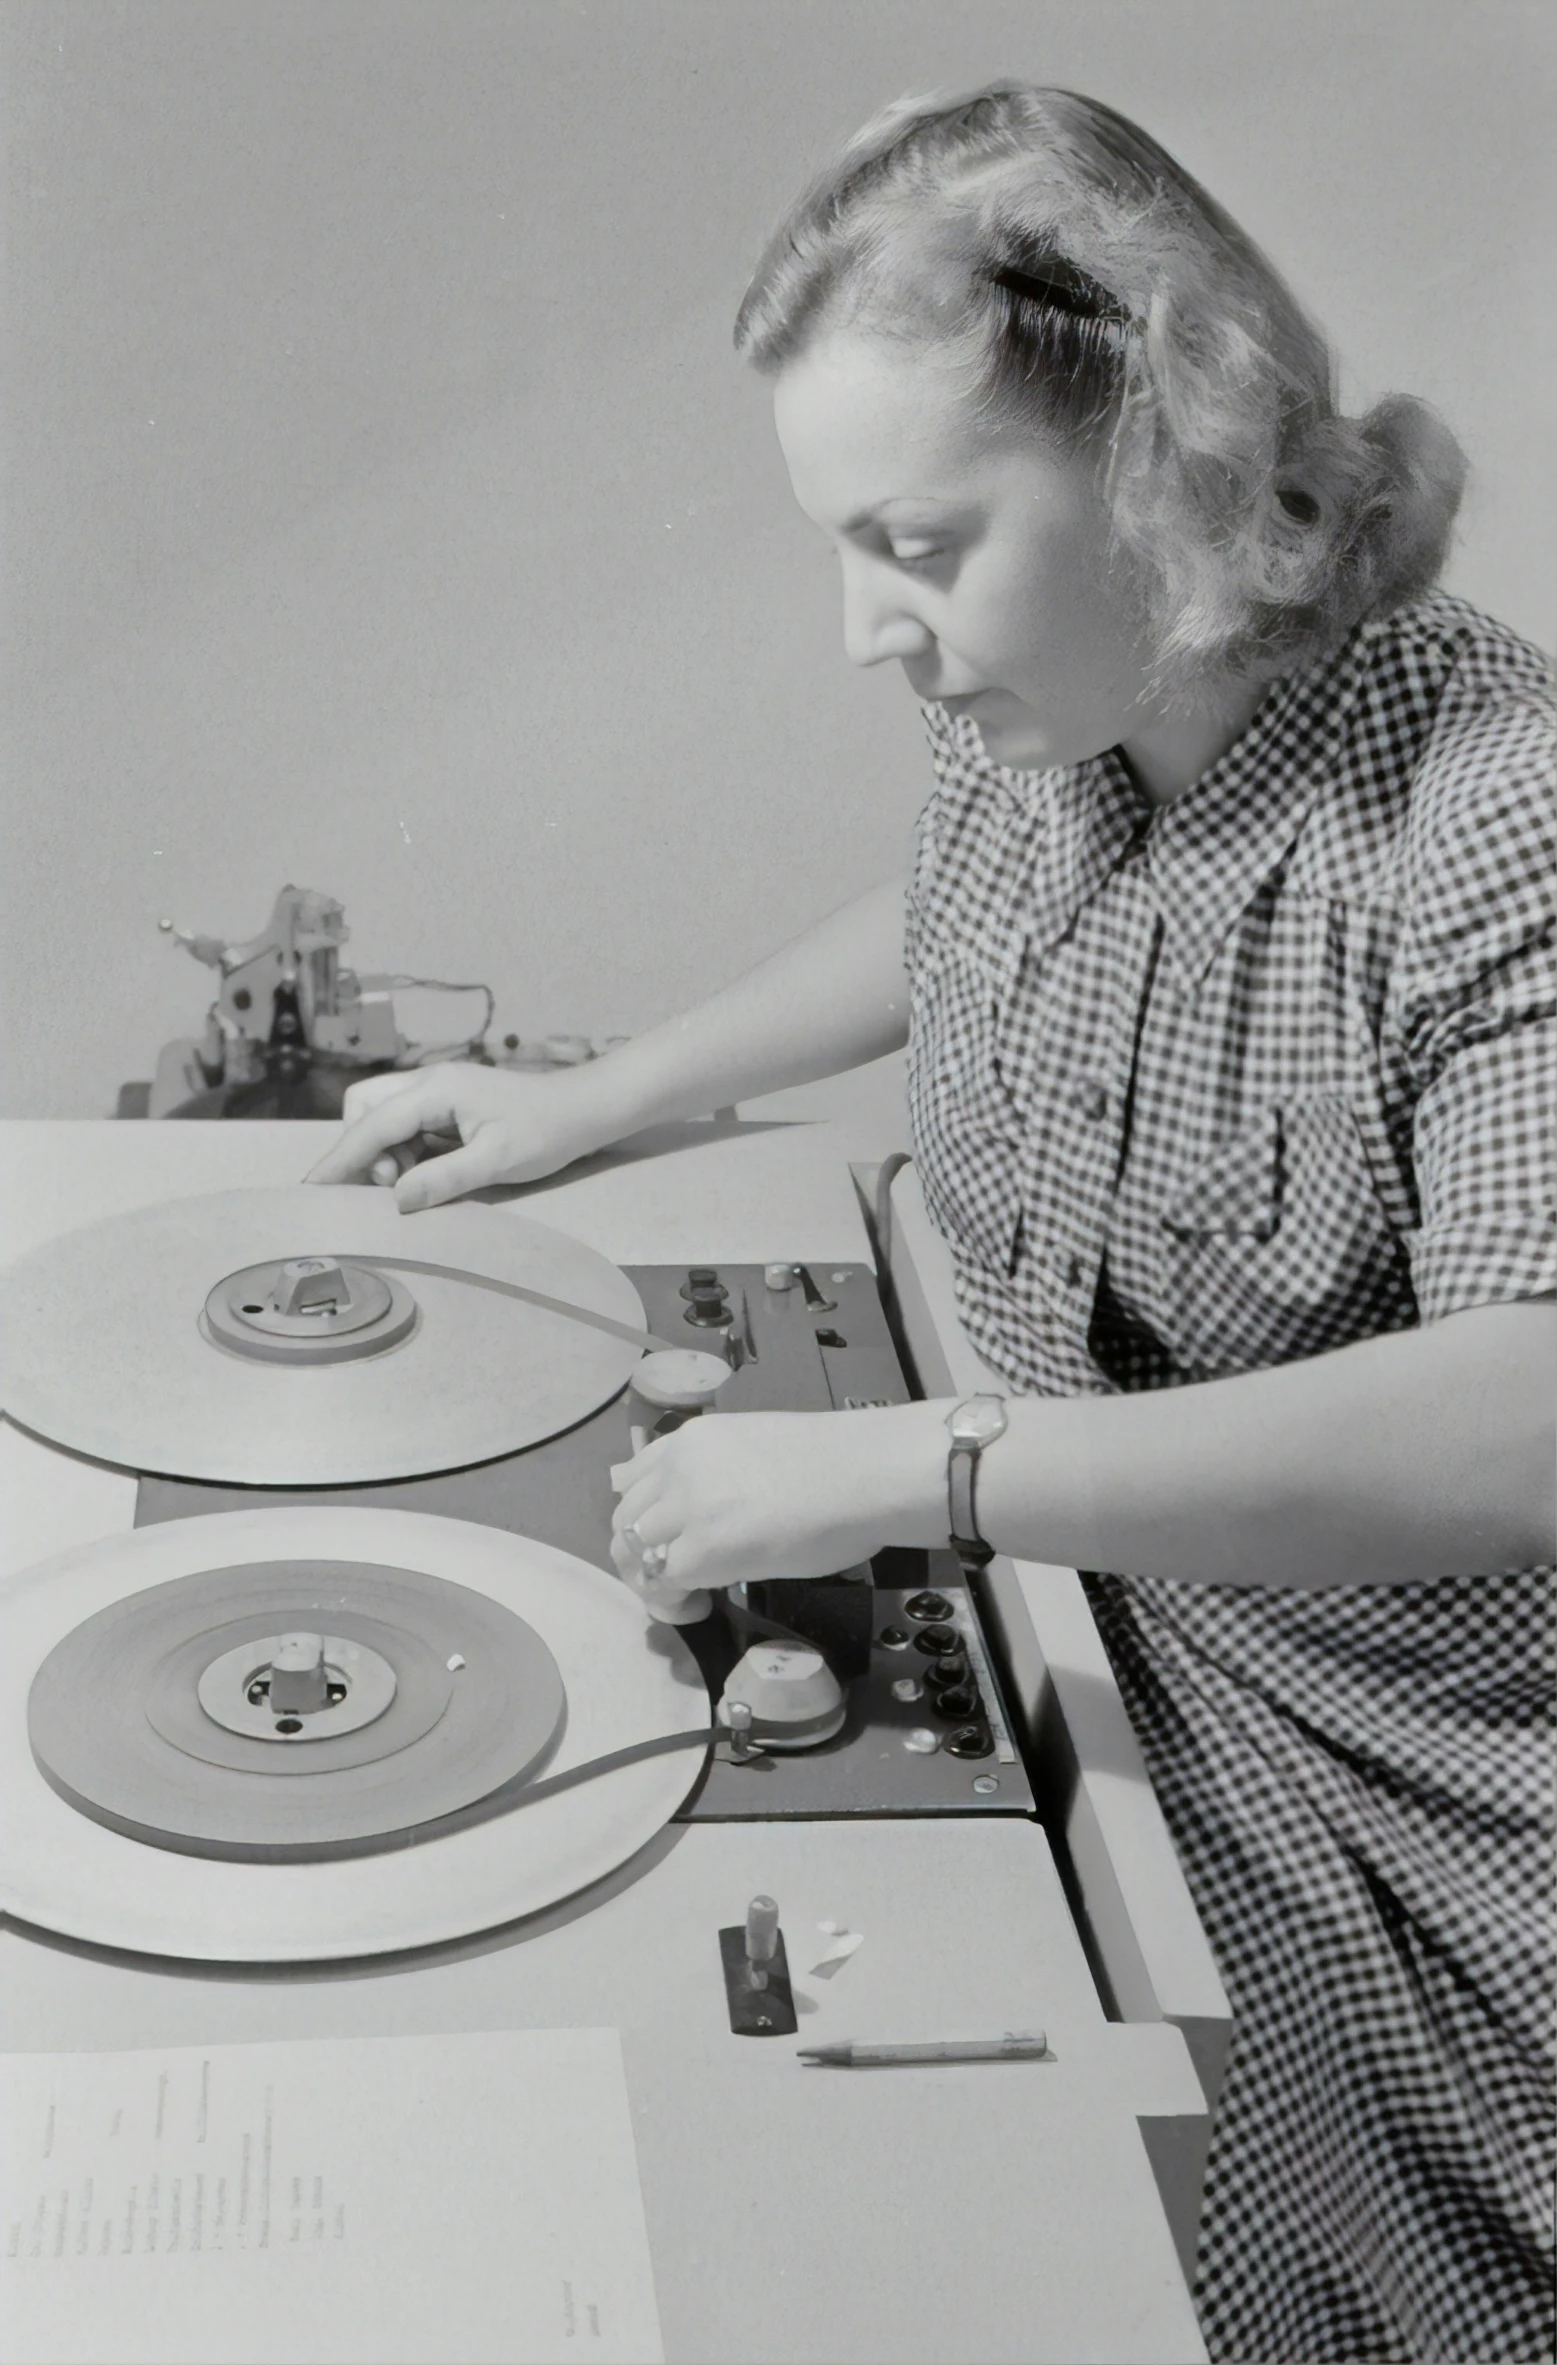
point(1208, 852)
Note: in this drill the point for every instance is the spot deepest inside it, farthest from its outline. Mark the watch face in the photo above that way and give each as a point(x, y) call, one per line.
point(977, 1421)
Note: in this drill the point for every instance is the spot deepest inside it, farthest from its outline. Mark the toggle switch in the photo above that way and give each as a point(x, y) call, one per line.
point(816, 1302)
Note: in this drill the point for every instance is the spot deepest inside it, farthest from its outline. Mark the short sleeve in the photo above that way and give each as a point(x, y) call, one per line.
point(1473, 997)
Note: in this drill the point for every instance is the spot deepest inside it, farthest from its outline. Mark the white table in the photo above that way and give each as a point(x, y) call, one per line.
point(964, 2214)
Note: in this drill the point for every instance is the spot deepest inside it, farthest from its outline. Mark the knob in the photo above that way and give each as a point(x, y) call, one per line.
point(795, 1699)
point(936, 1640)
point(762, 1921)
point(679, 1379)
point(949, 1670)
point(894, 1638)
point(958, 1702)
point(970, 1740)
point(928, 1606)
point(739, 1715)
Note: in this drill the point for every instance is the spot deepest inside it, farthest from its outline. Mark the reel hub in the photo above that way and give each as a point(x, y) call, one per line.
point(309, 1309)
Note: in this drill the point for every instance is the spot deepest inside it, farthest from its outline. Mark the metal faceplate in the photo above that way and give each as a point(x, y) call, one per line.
point(819, 1342)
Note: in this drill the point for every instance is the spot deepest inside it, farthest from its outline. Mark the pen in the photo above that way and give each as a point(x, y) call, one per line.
point(849, 2055)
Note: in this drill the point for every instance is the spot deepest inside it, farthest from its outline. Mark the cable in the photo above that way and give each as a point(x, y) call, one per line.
point(422, 1055)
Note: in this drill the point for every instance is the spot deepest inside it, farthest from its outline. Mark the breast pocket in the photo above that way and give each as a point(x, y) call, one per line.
point(967, 1132)
point(1278, 1246)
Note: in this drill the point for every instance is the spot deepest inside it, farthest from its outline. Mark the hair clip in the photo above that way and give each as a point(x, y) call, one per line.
point(1060, 287)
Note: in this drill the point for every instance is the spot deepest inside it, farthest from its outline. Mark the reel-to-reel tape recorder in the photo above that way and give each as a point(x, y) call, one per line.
point(362, 1678)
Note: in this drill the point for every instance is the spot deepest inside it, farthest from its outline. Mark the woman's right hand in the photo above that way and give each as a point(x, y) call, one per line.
point(511, 1128)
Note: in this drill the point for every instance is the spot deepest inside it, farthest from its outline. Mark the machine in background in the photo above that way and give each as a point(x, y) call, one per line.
point(291, 1027)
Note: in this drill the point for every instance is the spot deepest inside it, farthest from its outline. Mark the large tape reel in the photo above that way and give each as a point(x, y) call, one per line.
point(627, 1682)
point(129, 1340)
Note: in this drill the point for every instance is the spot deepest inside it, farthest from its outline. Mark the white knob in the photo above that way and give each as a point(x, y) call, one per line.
point(762, 1921)
point(680, 1379)
point(793, 1695)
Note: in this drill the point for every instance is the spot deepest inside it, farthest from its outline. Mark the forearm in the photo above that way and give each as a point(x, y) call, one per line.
point(1421, 1454)
point(833, 998)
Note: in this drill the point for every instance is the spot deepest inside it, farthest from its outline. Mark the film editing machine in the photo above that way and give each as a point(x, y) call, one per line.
point(334, 1696)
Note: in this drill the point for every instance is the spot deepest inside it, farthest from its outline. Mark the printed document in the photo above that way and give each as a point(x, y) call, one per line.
point(456, 2200)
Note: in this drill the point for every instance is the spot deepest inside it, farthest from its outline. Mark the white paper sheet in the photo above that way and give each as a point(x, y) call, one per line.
point(457, 2200)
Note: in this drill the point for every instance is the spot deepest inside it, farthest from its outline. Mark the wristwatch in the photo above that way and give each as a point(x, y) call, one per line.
point(975, 1423)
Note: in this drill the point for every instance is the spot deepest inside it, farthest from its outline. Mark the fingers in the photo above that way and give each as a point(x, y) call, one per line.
point(437, 1180)
point(623, 1474)
point(368, 1091)
point(392, 1115)
point(641, 1500)
point(639, 1559)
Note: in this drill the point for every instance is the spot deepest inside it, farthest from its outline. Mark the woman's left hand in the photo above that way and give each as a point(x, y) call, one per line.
point(781, 1494)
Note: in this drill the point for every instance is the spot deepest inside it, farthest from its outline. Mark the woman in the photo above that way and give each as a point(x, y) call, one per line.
point(1230, 969)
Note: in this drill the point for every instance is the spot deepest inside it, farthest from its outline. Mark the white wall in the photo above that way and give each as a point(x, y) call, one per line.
point(386, 511)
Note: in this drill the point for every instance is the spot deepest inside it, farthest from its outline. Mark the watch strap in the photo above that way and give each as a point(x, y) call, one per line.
point(962, 1471)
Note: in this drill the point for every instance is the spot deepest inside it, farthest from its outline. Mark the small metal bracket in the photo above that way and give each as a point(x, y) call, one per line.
point(766, 2011)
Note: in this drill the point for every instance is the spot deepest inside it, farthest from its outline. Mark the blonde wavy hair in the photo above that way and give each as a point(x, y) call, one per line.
point(1093, 292)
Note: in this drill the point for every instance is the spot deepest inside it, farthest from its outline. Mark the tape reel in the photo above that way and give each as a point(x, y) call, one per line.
point(96, 1843)
point(132, 1340)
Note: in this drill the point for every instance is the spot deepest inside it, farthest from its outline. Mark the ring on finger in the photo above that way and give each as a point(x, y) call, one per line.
point(651, 1558)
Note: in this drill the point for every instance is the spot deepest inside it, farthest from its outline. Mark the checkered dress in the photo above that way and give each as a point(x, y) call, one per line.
point(1210, 1087)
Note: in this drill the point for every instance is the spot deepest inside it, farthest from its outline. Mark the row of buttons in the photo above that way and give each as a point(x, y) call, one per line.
point(948, 1684)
